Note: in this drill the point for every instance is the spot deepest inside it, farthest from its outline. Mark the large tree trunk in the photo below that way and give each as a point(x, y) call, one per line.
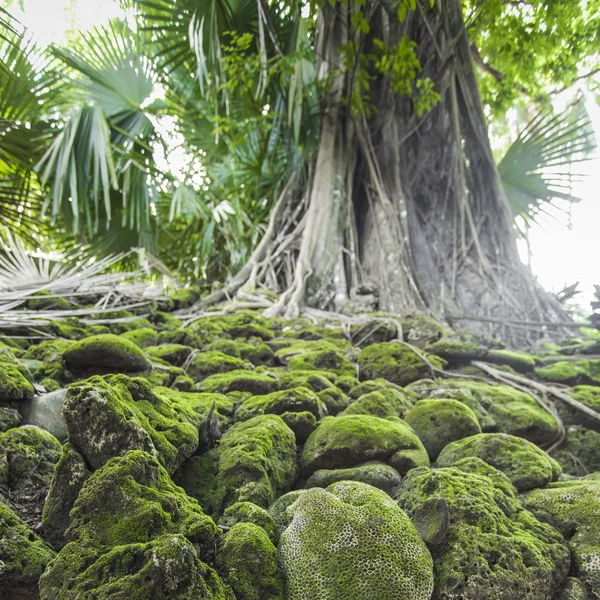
point(412, 208)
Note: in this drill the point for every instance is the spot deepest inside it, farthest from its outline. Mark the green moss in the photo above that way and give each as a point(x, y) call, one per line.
point(439, 422)
point(586, 372)
point(521, 461)
point(572, 589)
point(520, 361)
point(328, 360)
point(346, 383)
point(334, 400)
point(295, 400)
point(586, 394)
point(580, 452)
point(278, 511)
point(165, 321)
point(485, 545)
point(384, 404)
point(457, 351)
point(174, 354)
point(341, 442)
point(9, 418)
point(28, 455)
point(70, 328)
point(51, 354)
point(573, 507)
point(108, 417)
point(132, 531)
point(247, 512)
point(185, 297)
point(420, 329)
point(512, 411)
point(249, 561)
point(108, 353)
point(14, 384)
point(182, 336)
point(377, 474)
point(301, 423)
point(255, 462)
point(353, 541)
point(206, 364)
point(238, 381)
point(392, 361)
point(313, 380)
point(142, 338)
point(23, 556)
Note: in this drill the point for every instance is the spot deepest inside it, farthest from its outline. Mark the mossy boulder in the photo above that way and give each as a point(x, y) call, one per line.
point(142, 337)
point(313, 380)
point(23, 557)
point(247, 512)
point(9, 418)
point(70, 474)
point(392, 361)
point(28, 455)
point(384, 404)
point(579, 454)
point(134, 534)
point(100, 354)
point(576, 372)
point(174, 354)
point(377, 474)
point(206, 364)
point(346, 383)
point(254, 462)
point(513, 411)
point(248, 559)
point(327, 360)
point(526, 465)
point(484, 545)
point(238, 381)
point(439, 422)
point(342, 442)
point(586, 394)
point(50, 352)
point(519, 361)
point(301, 423)
point(15, 383)
point(572, 589)
point(353, 541)
point(458, 351)
point(107, 417)
point(420, 329)
point(573, 507)
point(334, 399)
point(293, 400)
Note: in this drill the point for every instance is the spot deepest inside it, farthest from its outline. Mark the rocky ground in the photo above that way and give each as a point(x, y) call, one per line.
point(229, 456)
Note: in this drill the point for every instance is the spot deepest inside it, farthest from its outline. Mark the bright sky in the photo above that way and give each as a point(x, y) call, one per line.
point(563, 251)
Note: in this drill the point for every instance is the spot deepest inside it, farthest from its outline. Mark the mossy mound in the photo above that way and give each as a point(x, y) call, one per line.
point(313, 380)
point(384, 404)
point(238, 381)
point(577, 372)
point(484, 545)
point(293, 400)
point(23, 557)
point(247, 512)
point(206, 364)
point(9, 418)
point(392, 361)
point(457, 351)
point(586, 394)
point(377, 474)
point(254, 462)
point(70, 474)
point(522, 462)
point(352, 541)
point(519, 361)
point(46, 300)
point(15, 381)
point(573, 507)
point(249, 559)
point(579, 454)
point(100, 354)
point(301, 423)
point(341, 442)
point(440, 422)
point(334, 399)
point(134, 534)
point(107, 417)
point(420, 329)
point(50, 352)
point(28, 455)
point(174, 354)
point(142, 337)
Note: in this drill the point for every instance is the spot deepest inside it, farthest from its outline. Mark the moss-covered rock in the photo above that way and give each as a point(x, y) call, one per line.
point(586, 394)
point(134, 534)
point(458, 351)
point(384, 404)
point(301, 423)
point(573, 507)
point(577, 372)
point(513, 411)
point(142, 337)
point(247, 512)
point(201, 404)
point(346, 383)
point(353, 541)
point(294, 400)
point(100, 354)
point(313, 380)
point(174, 354)
point(334, 399)
point(206, 364)
point(377, 474)
point(420, 329)
point(522, 462)
point(485, 545)
point(50, 352)
point(392, 361)
point(238, 381)
point(108, 417)
point(28, 455)
point(278, 510)
point(255, 462)
point(439, 422)
point(341, 442)
point(519, 361)
point(46, 300)
point(70, 474)
point(9, 418)
point(15, 385)
point(579, 454)
point(248, 559)
point(23, 557)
